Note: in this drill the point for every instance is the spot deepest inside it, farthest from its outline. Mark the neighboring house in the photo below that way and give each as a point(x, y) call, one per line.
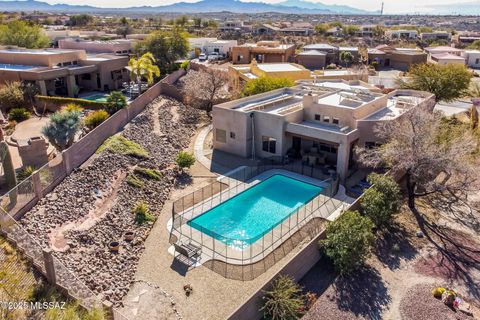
point(401, 34)
point(315, 122)
point(119, 47)
point(240, 74)
point(332, 53)
point(312, 59)
point(137, 36)
point(266, 29)
point(55, 35)
point(397, 58)
point(234, 26)
point(445, 55)
point(210, 45)
point(467, 38)
point(472, 58)
point(63, 72)
point(263, 52)
point(366, 31)
point(438, 35)
point(336, 32)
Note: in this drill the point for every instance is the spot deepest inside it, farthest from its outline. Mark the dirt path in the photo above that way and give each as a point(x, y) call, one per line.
point(102, 206)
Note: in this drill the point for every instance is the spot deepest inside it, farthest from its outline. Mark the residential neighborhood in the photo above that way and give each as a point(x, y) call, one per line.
point(239, 160)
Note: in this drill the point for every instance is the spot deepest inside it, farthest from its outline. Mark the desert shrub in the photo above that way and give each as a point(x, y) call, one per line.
point(18, 114)
point(25, 173)
point(331, 66)
point(120, 144)
point(382, 200)
point(185, 159)
point(11, 96)
point(265, 84)
point(61, 129)
point(142, 214)
point(10, 128)
point(116, 101)
point(135, 181)
point(95, 118)
point(348, 240)
point(149, 173)
point(185, 64)
point(438, 292)
point(284, 301)
point(72, 107)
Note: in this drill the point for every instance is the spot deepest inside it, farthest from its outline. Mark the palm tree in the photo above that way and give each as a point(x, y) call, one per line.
point(143, 67)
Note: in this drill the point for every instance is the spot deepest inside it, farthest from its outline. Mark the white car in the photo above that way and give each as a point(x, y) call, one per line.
point(213, 56)
point(202, 57)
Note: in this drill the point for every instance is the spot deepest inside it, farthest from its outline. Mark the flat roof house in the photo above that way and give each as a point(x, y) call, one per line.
point(263, 52)
point(401, 34)
point(119, 47)
point(63, 71)
point(211, 45)
point(398, 58)
point(315, 122)
point(472, 58)
point(445, 55)
point(437, 35)
point(318, 56)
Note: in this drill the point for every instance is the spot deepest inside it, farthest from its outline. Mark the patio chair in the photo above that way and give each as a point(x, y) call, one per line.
point(187, 249)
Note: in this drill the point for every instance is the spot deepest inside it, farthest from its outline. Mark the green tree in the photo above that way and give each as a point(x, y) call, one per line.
point(382, 200)
point(19, 33)
point(11, 96)
point(321, 28)
point(351, 30)
point(378, 31)
point(447, 82)
point(181, 21)
point(62, 128)
point(116, 101)
point(348, 241)
point(166, 48)
point(79, 20)
point(285, 301)
point(197, 22)
point(143, 67)
point(474, 45)
point(265, 84)
point(346, 58)
point(185, 159)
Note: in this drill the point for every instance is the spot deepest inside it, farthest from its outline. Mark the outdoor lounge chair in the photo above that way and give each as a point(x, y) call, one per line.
point(187, 249)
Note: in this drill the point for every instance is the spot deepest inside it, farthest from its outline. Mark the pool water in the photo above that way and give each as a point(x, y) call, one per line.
point(100, 97)
point(7, 66)
point(245, 218)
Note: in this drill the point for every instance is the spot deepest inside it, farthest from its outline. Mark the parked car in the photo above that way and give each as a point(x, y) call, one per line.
point(213, 56)
point(202, 57)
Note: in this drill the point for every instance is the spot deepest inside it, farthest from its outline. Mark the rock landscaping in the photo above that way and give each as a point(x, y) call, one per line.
point(93, 205)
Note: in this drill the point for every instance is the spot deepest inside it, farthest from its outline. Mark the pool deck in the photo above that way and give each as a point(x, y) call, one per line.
point(321, 206)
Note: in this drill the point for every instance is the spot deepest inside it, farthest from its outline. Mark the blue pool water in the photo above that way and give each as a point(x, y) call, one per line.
point(98, 97)
point(15, 66)
point(245, 218)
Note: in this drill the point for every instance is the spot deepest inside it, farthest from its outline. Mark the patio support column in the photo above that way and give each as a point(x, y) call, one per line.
point(42, 86)
point(71, 85)
point(343, 155)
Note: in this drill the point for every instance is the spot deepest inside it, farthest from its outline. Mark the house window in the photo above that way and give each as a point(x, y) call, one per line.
point(326, 119)
point(317, 117)
point(269, 144)
point(86, 76)
point(221, 135)
point(477, 61)
point(232, 135)
point(239, 58)
point(335, 121)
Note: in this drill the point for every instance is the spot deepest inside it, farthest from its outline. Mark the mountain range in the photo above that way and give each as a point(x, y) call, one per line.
point(235, 6)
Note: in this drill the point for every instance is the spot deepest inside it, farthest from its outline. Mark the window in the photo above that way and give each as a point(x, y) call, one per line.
point(326, 119)
point(477, 61)
point(328, 148)
point(232, 135)
point(221, 135)
point(269, 144)
point(317, 117)
point(86, 76)
point(335, 121)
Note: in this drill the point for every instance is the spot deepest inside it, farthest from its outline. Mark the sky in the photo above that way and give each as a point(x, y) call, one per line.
point(390, 6)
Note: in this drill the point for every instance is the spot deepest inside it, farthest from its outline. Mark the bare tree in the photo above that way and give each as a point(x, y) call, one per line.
point(202, 89)
point(432, 156)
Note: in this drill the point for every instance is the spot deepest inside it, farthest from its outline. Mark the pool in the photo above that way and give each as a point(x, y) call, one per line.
point(98, 97)
point(7, 66)
point(245, 218)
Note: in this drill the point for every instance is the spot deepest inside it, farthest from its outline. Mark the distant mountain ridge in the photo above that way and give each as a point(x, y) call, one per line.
point(236, 6)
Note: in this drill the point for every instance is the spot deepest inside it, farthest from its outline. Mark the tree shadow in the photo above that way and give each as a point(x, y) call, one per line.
point(459, 254)
point(183, 179)
point(362, 293)
point(320, 277)
point(393, 246)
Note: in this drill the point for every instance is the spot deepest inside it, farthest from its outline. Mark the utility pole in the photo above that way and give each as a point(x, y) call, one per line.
point(381, 9)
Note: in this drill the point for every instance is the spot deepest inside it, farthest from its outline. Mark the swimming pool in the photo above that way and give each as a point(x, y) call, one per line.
point(245, 218)
point(7, 66)
point(97, 97)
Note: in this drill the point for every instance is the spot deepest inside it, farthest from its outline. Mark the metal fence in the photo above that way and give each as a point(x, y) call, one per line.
point(246, 259)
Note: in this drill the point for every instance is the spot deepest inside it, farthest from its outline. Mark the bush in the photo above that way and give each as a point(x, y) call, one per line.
point(185, 159)
point(84, 103)
point(116, 101)
point(265, 84)
point(18, 114)
point(72, 107)
point(348, 240)
point(142, 214)
point(120, 144)
point(135, 181)
point(95, 118)
point(149, 173)
point(382, 200)
point(185, 64)
point(61, 129)
point(11, 95)
point(25, 173)
point(284, 301)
